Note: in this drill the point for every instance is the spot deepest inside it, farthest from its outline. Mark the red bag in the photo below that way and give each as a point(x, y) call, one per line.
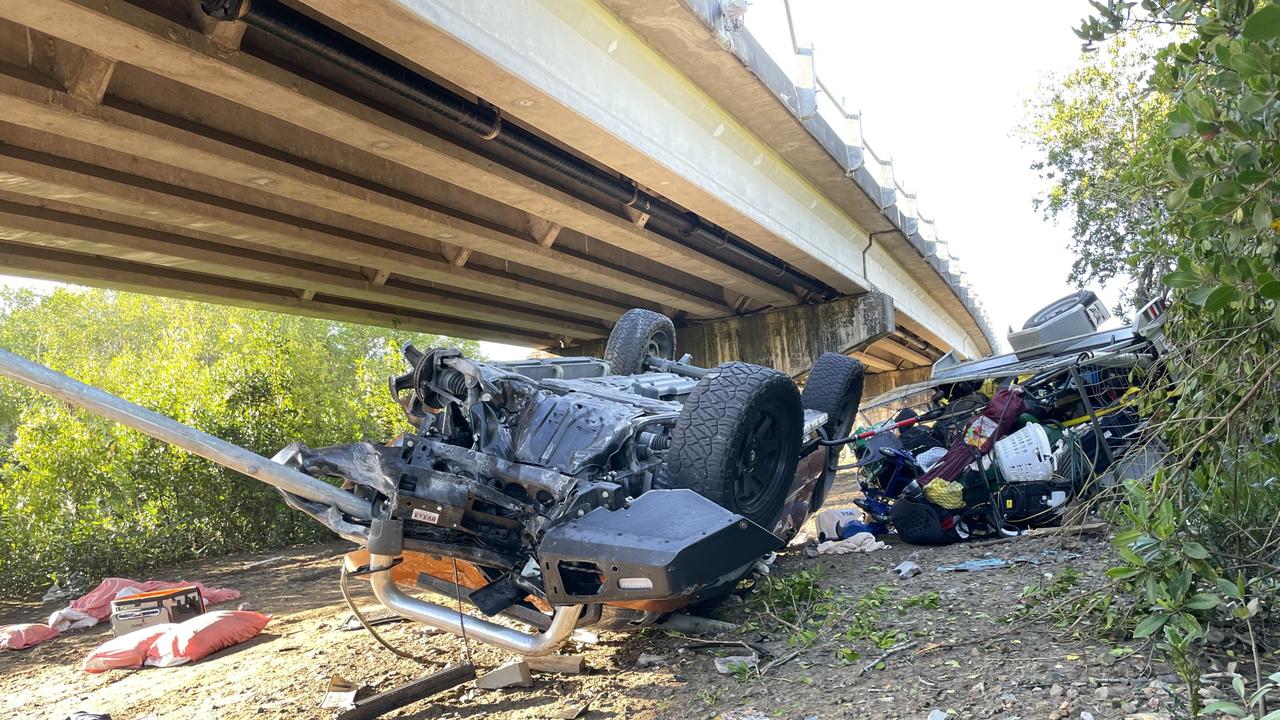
point(126, 651)
point(204, 635)
point(24, 635)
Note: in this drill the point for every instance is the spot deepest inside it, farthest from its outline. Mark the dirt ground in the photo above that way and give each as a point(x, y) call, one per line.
point(968, 660)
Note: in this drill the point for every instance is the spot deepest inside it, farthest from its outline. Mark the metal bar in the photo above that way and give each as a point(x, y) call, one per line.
point(166, 429)
point(452, 621)
point(410, 692)
point(1074, 370)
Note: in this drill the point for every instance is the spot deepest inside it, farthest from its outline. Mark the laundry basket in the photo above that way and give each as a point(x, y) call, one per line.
point(1025, 456)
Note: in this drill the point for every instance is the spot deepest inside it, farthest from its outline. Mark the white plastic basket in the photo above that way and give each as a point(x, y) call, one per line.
point(1025, 456)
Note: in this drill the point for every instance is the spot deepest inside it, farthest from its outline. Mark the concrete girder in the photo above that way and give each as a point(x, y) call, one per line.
point(92, 270)
point(874, 362)
point(37, 177)
point(123, 32)
point(897, 349)
point(791, 339)
point(39, 227)
point(123, 132)
point(575, 72)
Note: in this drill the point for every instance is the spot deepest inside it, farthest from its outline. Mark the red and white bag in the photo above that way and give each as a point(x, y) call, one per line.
point(204, 635)
point(24, 635)
point(126, 651)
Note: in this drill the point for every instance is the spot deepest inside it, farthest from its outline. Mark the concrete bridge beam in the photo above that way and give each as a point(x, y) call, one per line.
point(788, 339)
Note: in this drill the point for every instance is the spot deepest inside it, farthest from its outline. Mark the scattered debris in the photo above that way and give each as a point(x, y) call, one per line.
point(264, 561)
point(352, 623)
point(646, 660)
point(907, 569)
point(1084, 529)
point(410, 692)
point(886, 655)
point(975, 565)
point(340, 694)
point(694, 625)
point(564, 664)
point(734, 663)
point(936, 714)
point(513, 674)
point(863, 542)
point(585, 637)
point(55, 592)
point(753, 647)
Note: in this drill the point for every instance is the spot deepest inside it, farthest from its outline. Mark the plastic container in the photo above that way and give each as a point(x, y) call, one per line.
point(1025, 456)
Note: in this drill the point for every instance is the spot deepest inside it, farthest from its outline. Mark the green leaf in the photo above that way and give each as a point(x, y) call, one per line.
point(1263, 24)
point(1246, 64)
point(1225, 706)
point(1149, 625)
point(1250, 105)
point(1181, 279)
point(1123, 573)
point(1230, 589)
point(1262, 215)
point(1178, 160)
point(1202, 601)
point(1195, 550)
point(1200, 296)
point(1219, 298)
point(1251, 177)
point(1271, 290)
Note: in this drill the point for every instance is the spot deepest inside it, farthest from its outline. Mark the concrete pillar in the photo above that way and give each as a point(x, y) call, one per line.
point(789, 339)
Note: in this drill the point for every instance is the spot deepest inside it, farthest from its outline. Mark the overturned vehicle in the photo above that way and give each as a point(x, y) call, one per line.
point(561, 492)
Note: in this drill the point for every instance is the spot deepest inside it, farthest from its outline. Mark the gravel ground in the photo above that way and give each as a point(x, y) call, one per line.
point(955, 649)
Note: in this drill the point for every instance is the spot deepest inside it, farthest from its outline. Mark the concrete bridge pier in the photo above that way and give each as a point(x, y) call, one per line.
point(788, 339)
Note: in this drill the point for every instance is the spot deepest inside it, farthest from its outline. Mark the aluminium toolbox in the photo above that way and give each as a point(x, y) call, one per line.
point(152, 608)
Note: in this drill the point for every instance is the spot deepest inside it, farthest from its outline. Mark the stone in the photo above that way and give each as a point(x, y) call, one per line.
point(1055, 691)
point(513, 674)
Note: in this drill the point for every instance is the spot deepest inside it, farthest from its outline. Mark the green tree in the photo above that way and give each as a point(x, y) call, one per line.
point(1204, 536)
point(82, 495)
point(1096, 130)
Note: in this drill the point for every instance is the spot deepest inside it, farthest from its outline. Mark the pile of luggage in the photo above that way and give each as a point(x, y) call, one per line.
point(1009, 443)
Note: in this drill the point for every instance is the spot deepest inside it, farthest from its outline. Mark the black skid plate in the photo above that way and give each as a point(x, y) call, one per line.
point(666, 544)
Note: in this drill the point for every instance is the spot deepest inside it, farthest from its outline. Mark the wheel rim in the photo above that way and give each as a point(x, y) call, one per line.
point(660, 345)
point(761, 461)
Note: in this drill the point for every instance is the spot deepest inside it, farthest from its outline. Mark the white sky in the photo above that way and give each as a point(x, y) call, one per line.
point(942, 86)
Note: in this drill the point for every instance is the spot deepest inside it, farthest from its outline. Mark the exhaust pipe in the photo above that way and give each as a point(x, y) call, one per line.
point(451, 621)
point(166, 429)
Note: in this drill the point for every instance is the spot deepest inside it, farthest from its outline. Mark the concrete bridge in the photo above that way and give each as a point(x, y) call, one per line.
point(510, 171)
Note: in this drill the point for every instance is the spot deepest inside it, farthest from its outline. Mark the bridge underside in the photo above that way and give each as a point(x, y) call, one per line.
point(154, 150)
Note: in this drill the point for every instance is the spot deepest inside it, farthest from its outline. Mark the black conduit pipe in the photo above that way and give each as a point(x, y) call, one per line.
point(295, 28)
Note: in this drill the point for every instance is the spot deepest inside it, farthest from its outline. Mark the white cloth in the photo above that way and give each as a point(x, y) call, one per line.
point(831, 523)
point(863, 542)
point(71, 619)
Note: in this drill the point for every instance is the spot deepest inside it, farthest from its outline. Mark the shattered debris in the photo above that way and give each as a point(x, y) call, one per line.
point(513, 674)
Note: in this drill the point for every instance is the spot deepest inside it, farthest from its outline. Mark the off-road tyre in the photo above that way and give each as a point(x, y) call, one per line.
point(637, 334)
point(737, 441)
point(834, 387)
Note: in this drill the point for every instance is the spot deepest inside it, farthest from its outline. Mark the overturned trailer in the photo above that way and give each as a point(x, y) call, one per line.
point(562, 492)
